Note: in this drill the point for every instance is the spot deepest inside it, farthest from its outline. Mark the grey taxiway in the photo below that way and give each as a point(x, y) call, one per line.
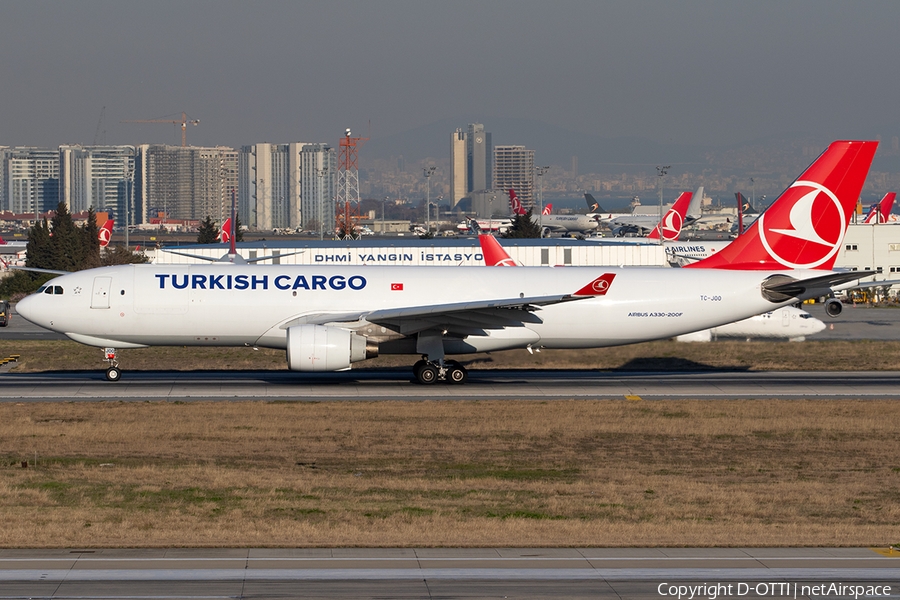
point(451, 573)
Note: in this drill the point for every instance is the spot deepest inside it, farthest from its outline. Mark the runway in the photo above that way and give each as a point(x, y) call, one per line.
point(449, 573)
point(487, 384)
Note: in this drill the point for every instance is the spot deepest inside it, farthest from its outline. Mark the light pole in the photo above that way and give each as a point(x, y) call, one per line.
point(320, 172)
point(130, 184)
point(661, 172)
point(540, 174)
point(428, 171)
point(386, 198)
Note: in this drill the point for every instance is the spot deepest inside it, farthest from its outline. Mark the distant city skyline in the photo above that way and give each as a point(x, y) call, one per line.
point(696, 73)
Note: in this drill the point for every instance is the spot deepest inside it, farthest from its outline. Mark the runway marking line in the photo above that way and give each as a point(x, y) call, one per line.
point(627, 397)
point(890, 551)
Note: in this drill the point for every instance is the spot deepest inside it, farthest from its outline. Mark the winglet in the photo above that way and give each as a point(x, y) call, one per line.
point(597, 287)
point(805, 227)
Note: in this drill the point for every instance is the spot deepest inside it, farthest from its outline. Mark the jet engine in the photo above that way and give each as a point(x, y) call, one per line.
point(833, 307)
point(322, 348)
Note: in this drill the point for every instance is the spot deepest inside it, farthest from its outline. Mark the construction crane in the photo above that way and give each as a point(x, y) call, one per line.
point(184, 123)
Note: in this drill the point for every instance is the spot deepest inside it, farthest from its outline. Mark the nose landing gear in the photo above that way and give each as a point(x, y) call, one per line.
point(113, 373)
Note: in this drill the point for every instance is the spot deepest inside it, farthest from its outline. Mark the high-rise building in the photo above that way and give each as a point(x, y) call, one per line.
point(287, 185)
point(98, 177)
point(184, 182)
point(479, 153)
point(514, 169)
point(29, 180)
point(458, 179)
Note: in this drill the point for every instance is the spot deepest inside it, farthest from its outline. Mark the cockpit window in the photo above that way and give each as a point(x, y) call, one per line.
point(41, 289)
point(56, 290)
point(49, 289)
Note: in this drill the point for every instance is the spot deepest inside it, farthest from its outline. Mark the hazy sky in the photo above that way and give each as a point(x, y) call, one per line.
point(695, 72)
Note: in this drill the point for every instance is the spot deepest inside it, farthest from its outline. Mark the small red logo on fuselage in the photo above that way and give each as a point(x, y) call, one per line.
point(396, 287)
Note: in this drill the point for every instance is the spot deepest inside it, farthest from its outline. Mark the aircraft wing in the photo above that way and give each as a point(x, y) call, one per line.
point(462, 318)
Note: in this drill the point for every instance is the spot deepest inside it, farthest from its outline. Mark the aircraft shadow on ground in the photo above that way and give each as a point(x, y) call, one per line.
point(673, 363)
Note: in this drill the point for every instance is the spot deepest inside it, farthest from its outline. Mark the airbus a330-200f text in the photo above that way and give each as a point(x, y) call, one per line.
point(327, 318)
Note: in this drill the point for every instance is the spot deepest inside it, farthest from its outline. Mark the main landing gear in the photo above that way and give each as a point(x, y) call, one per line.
point(428, 372)
point(113, 373)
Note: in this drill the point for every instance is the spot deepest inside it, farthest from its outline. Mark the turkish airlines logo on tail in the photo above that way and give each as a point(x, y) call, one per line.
point(515, 203)
point(672, 226)
point(808, 230)
point(597, 287)
point(105, 233)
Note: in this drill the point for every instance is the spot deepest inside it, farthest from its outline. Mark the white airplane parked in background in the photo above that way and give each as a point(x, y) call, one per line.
point(328, 317)
point(785, 323)
point(555, 223)
point(643, 225)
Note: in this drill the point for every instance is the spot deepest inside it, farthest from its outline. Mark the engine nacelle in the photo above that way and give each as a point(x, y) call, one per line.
point(833, 307)
point(321, 348)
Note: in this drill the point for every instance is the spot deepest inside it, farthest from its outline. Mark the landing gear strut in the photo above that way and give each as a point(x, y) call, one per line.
point(113, 373)
point(429, 372)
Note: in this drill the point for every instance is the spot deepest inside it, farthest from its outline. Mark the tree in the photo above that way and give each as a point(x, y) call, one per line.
point(122, 256)
point(65, 245)
point(208, 232)
point(523, 227)
point(89, 242)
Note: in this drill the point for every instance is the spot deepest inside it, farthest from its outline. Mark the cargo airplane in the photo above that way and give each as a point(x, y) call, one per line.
point(328, 317)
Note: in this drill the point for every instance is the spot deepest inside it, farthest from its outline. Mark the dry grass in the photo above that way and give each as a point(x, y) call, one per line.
point(469, 473)
point(665, 355)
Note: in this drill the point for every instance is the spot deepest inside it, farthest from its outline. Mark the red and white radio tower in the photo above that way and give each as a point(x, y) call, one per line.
point(347, 188)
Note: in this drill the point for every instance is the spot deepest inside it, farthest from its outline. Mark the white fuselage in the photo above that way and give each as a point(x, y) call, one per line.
point(229, 305)
point(787, 323)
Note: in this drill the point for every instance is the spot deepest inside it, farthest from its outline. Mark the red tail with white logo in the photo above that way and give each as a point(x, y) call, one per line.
point(804, 228)
point(104, 234)
point(674, 219)
point(547, 209)
point(515, 203)
point(494, 254)
point(226, 231)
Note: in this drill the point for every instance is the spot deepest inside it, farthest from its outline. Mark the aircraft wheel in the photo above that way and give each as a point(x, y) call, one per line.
point(113, 373)
point(418, 365)
point(457, 373)
point(427, 374)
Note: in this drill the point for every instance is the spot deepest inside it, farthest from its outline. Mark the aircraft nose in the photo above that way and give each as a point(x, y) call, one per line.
point(26, 309)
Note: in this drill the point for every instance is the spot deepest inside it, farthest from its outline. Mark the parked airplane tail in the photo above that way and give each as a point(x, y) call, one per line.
point(104, 234)
point(804, 227)
point(873, 216)
point(673, 220)
point(225, 234)
point(547, 209)
point(887, 204)
point(515, 203)
point(2, 243)
point(593, 206)
point(494, 254)
point(743, 204)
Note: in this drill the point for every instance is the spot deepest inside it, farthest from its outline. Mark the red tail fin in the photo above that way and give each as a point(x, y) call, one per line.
point(104, 234)
point(516, 205)
point(887, 204)
point(494, 254)
point(547, 209)
point(673, 220)
point(226, 231)
point(804, 228)
point(873, 215)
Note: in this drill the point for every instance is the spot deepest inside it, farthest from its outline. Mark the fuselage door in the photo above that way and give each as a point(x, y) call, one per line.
point(100, 295)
